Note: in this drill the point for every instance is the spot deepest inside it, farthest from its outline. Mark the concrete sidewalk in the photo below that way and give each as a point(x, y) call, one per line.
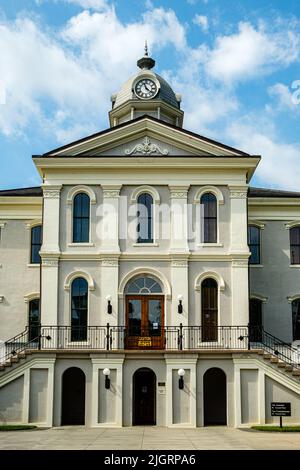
point(148, 438)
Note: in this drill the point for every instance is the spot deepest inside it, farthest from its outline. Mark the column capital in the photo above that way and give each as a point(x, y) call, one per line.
point(178, 192)
point(238, 192)
point(111, 190)
point(51, 191)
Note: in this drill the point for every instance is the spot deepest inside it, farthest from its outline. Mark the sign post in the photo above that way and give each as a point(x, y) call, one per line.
point(281, 409)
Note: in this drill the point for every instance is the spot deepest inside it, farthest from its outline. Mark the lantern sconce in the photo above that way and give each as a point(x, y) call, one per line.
point(106, 373)
point(181, 373)
point(179, 298)
point(109, 306)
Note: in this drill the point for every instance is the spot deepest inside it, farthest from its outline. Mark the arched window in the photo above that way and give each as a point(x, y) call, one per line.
point(36, 243)
point(254, 244)
point(81, 218)
point(296, 319)
point(209, 217)
point(145, 218)
point(143, 285)
point(79, 309)
point(295, 245)
point(209, 306)
point(34, 320)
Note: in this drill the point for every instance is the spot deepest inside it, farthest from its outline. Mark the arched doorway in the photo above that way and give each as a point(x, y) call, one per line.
point(215, 397)
point(144, 397)
point(73, 396)
point(144, 313)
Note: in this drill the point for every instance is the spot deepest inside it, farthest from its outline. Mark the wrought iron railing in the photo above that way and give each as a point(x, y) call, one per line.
point(170, 338)
point(28, 339)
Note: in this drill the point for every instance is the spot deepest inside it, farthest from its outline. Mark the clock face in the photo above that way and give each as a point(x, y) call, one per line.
point(145, 88)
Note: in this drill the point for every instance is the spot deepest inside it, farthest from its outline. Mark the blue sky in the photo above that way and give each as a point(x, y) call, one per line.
point(236, 64)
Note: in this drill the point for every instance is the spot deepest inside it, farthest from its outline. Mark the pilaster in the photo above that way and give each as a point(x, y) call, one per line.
point(50, 252)
point(110, 219)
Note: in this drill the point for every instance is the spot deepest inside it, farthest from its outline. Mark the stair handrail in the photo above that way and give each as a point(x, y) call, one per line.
point(279, 348)
point(19, 343)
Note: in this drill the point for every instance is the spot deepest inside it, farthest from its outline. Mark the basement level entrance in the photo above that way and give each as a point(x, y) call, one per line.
point(215, 400)
point(144, 397)
point(73, 397)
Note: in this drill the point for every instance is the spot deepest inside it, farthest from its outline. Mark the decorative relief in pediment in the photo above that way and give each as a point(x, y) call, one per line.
point(146, 147)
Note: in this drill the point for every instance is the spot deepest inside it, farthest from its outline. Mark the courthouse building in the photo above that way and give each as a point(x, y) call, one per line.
point(146, 281)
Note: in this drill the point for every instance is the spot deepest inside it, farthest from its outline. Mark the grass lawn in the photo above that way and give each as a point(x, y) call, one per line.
point(16, 427)
point(277, 428)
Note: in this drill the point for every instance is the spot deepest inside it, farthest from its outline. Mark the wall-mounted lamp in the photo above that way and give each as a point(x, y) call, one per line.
point(109, 306)
point(106, 373)
point(179, 298)
point(181, 373)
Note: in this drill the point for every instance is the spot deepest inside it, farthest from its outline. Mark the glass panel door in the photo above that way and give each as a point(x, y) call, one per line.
point(144, 322)
point(154, 317)
point(134, 317)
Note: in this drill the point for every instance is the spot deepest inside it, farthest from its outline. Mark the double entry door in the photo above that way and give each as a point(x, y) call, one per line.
point(144, 322)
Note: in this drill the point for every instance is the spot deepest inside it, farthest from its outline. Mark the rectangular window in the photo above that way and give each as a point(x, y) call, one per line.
point(254, 244)
point(295, 245)
point(36, 243)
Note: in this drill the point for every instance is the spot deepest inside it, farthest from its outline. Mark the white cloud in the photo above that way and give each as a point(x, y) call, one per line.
point(284, 98)
point(90, 4)
point(252, 51)
point(202, 21)
point(279, 165)
point(74, 72)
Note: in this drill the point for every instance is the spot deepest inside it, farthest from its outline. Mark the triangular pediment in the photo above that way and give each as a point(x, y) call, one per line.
point(145, 136)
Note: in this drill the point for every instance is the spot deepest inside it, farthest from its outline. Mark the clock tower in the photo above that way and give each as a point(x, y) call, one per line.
point(146, 93)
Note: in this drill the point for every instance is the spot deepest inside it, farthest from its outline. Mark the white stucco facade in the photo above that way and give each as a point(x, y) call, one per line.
point(227, 378)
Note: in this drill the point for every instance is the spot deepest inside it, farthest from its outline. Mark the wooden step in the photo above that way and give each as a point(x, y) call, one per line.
point(288, 368)
point(260, 352)
point(21, 355)
point(2, 366)
point(267, 356)
point(14, 359)
point(296, 372)
point(281, 363)
point(274, 360)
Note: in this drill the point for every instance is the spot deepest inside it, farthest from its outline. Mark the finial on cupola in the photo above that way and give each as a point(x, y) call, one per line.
point(146, 63)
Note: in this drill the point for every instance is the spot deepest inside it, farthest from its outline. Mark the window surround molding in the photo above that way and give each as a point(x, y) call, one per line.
point(166, 287)
point(156, 201)
point(145, 189)
point(74, 275)
point(198, 287)
point(81, 189)
point(220, 200)
point(70, 200)
point(33, 223)
point(263, 299)
point(291, 298)
point(294, 223)
point(256, 223)
point(31, 296)
point(209, 189)
point(211, 275)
